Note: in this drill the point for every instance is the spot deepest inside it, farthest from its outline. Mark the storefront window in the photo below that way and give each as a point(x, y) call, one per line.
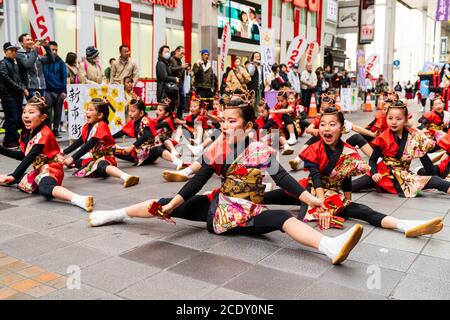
point(276, 8)
point(65, 22)
point(303, 16)
point(24, 18)
point(313, 16)
point(289, 12)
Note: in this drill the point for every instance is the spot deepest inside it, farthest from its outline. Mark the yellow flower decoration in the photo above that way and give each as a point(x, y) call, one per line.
point(104, 90)
point(86, 105)
point(115, 93)
point(118, 122)
point(93, 93)
point(120, 106)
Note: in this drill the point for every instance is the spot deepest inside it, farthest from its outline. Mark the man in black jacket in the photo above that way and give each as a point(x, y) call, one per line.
point(12, 91)
point(178, 69)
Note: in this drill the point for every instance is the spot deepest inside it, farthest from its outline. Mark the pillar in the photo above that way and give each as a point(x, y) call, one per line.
point(389, 41)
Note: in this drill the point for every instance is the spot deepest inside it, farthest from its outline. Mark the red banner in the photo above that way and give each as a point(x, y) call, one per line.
point(125, 21)
point(187, 17)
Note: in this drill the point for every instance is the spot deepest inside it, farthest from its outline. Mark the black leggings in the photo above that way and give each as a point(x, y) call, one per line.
point(197, 208)
point(287, 121)
point(353, 210)
point(359, 140)
point(101, 168)
point(154, 154)
point(366, 183)
point(46, 186)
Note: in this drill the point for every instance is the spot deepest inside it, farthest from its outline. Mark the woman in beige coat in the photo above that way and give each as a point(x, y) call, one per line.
point(74, 72)
point(237, 78)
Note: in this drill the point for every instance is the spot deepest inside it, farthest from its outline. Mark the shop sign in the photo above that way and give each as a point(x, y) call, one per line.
point(165, 3)
point(332, 10)
point(40, 19)
point(312, 5)
point(367, 21)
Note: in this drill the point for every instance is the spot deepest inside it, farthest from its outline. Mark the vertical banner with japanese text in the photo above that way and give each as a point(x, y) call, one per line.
point(267, 51)
point(226, 39)
point(78, 97)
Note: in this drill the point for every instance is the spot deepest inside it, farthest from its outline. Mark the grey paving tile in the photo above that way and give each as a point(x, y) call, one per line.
point(431, 267)
point(422, 288)
point(31, 245)
point(160, 254)
point(438, 249)
point(416, 214)
point(167, 285)
point(199, 239)
point(75, 255)
point(8, 232)
point(444, 234)
point(116, 242)
point(300, 262)
point(84, 293)
point(14, 214)
point(246, 249)
point(153, 228)
point(4, 206)
point(115, 274)
point(396, 240)
point(226, 294)
point(269, 283)
point(323, 290)
point(385, 207)
point(211, 268)
point(44, 221)
point(384, 257)
point(77, 231)
point(12, 194)
point(364, 277)
point(422, 203)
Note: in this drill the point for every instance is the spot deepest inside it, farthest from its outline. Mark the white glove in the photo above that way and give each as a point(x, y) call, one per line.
point(348, 125)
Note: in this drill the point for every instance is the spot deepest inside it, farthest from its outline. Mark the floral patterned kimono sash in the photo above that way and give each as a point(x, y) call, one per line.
point(343, 164)
point(240, 196)
point(413, 146)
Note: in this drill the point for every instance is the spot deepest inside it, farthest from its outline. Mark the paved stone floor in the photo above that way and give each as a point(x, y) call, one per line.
point(46, 246)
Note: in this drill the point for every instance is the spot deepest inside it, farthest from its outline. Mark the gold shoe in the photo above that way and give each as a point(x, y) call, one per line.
point(89, 203)
point(287, 152)
point(131, 181)
point(171, 176)
point(349, 245)
point(433, 226)
point(294, 164)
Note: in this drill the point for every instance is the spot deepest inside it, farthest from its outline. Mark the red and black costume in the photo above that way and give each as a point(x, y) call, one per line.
point(98, 141)
point(397, 154)
point(39, 149)
point(145, 151)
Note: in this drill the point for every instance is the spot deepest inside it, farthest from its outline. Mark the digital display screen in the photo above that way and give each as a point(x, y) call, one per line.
point(244, 18)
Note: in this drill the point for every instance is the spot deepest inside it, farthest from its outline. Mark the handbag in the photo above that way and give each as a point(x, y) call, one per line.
point(171, 88)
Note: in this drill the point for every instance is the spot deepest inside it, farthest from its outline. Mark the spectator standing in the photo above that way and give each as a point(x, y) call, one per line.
point(284, 75)
point(12, 91)
point(75, 74)
point(204, 78)
point(108, 70)
point(237, 78)
point(256, 72)
point(398, 88)
point(409, 91)
point(271, 77)
point(30, 63)
point(223, 84)
point(294, 78)
point(321, 87)
point(380, 87)
point(336, 80)
point(368, 87)
point(124, 67)
point(345, 81)
point(309, 82)
point(91, 67)
point(179, 69)
point(56, 79)
point(328, 76)
point(164, 78)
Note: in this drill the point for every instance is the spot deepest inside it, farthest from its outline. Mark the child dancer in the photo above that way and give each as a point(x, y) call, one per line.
point(39, 148)
point(437, 121)
point(165, 127)
point(144, 150)
point(332, 163)
point(96, 139)
point(299, 115)
point(237, 206)
point(193, 125)
point(281, 115)
point(265, 122)
point(397, 147)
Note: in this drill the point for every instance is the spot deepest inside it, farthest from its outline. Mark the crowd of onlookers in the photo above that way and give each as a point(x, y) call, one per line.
point(35, 67)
